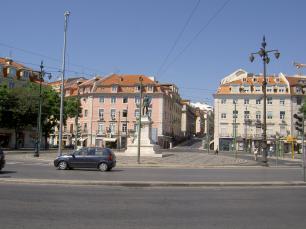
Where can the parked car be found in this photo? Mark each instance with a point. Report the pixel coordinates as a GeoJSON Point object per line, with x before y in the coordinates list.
{"type": "Point", "coordinates": [2, 159]}
{"type": "Point", "coordinates": [87, 157]}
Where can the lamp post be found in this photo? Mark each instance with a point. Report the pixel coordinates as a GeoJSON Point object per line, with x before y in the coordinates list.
{"type": "Point", "coordinates": [263, 53]}
{"type": "Point", "coordinates": [77, 117]}
{"type": "Point", "coordinates": [139, 121]}
{"type": "Point", "coordinates": [66, 14]}
{"type": "Point", "coordinates": [42, 74]}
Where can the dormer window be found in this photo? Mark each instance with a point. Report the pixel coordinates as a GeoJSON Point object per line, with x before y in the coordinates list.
{"type": "Point", "coordinates": [281, 89]}
{"type": "Point", "coordinates": [114, 88]}
{"type": "Point", "coordinates": [11, 72]}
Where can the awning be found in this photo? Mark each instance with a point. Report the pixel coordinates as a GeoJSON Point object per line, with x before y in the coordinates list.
{"type": "Point", "coordinates": [110, 139]}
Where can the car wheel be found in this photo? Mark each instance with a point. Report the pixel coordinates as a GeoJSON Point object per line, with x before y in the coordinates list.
{"type": "Point", "coordinates": [62, 165]}
{"type": "Point", "coordinates": [103, 167]}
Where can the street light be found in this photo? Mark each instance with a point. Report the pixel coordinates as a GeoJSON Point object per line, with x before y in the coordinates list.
{"type": "Point", "coordinates": [66, 14]}
{"type": "Point", "coordinates": [263, 53]}
{"type": "Point", "coordinates": [41, 76]}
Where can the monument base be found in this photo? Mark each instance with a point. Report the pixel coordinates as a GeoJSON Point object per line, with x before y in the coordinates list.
{"type": "Point", "coordinates": [147, 148]}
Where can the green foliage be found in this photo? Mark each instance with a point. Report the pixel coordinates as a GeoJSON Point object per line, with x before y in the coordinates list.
{"type": "Point", "coordinates": [303, 109]}
{"type": "Point", "coordinates": [19, 108]}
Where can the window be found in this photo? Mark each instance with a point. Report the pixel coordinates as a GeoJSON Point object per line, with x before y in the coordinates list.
{"type": "Point", "coordinates": [124, 113]}
{"type": "Point", "coordinates": [281, 89]}
{"type": "Point", "coordinates": [137, 99]}
{"type": "Point", "coordinates": [258, 115]}
{"type": "Point", "coordinates": [101, 99]}
{"type": "Point", "coordinates": [246, 101]}
{"type": "Point", "coordinates": [150, 88]}
{"type": "Point", "coordinates": [101, 128]}
{"type": "Point", "coordinates": [150, 112]}
{"type": "Point", "coordinates": [269, 100]}
{"type": "Point", "coordinates": [124, 127]}
{"type": "Point", "coordinates": [283, 130]}
{"type": "Point", "coordinates": [223, 101]}
{"type": "Point", "coordinates": [113, 114]}
{"type": "Point", "coordinates": [223, 115]}
{"type": "Point", "coordinates": [258, 101]}
{"type": "Point", "coordinates": [298, 90]}
{"type": "Point", "coordinates": [113, 100]}
{"type": "Point", "coordinates": [125, 100]}
{"type": "Point", "coordinates": [112, 127]}
{"type": "Point", "coordinates": [137, 88]}
{"type": "Point", "coordinates": [85, 113]}
{"type": "Point", "coordinates": [269, 114]}
{"type": "Point", "coordinates": [246, 114]}
{"type": "Point", "coordinates": [282, 102]}
{"type": "Point", "coordinates": [269, 89]}
{"type": "Point", "coordinates": [101, 114]}
{"type": "Point", "coordinates": [114, 88]}
{"type": "Point", "coordinates": [282, 115]}
{"type": "Point", "coordinates": [258, 89]}
{"type": "Point", "coordinates": [235, 114]}
{"type": "Point", "coordinates": [85, 127]}
{"type": "Point", "coordinates": [135, 127]}
{"type": "Point", "coordinates": [11, 72]}
{"type": "Point", "coordinates": [298, 100]}
{"type": "Point", "coordinates": [137, 113]}
{"type": "Point", "coordinates": [235, 89]}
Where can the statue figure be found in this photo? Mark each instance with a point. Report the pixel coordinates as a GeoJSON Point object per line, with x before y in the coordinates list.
{"type": "Point", "coordinates": [146, 105]}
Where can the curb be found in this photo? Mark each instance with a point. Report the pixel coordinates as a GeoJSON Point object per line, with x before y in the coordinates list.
{"type": "Point", "coordinates": [153, 183]}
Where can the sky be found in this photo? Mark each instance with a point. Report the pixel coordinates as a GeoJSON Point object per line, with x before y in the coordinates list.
{"type": "Point", "coordinates": [191, 43]}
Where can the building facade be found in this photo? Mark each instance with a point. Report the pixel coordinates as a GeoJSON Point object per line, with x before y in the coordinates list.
{"type": "Point", "coordinates": [110, 110]}
{"type": "Point", "coordinates": [238, 107]}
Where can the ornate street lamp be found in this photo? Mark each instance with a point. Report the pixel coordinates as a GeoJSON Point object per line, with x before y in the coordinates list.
{"type": "Point", "coordinates": [263, 53]}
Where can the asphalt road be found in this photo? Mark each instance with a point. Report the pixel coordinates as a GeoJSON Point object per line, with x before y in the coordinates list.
{"type": "Point", "coordinates": [46, 171]}
{"type": "Point", "coordinates": [79, 207]}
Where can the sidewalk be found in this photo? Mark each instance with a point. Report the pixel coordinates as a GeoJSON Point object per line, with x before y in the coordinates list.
{"type": "Point", "coordinates": [170, 159]}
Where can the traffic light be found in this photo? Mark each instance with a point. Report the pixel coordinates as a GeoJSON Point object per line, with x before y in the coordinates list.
{"type": "Point", "coordinates": [299, 124]}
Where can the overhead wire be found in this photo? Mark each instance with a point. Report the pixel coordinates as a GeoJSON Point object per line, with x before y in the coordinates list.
{"type": "Point", "coordinates": [196, 35]}
{"type": "Point", "coordinates": [179, 36]}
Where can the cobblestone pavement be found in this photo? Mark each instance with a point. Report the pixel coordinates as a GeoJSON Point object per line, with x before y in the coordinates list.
{"type": "Point", "coordinates": [169, 159]}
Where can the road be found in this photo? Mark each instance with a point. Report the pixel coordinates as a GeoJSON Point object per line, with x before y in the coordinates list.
{"type": "Point", "coordinates": [79, 207]}
{"type": "Point", "coordinates": [46, 171]}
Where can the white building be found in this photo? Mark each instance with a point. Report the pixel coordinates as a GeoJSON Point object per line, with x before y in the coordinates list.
{"type": "Point", "coordinates": [238, 107]}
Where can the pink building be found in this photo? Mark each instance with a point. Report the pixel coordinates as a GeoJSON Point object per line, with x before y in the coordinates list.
{"type": "Point", "coordinates": [110, 107]}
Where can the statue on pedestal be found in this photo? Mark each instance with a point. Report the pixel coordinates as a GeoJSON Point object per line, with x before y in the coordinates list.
{"type": "Point", "coordinates": [146, 105]}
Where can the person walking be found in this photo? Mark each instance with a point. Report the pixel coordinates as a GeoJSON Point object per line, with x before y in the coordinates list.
{"type": "Point", "coordinates": [255, 154]}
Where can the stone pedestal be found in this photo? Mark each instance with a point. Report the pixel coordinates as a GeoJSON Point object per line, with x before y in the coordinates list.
{"type": "Point", "coordinates": [147, 148]}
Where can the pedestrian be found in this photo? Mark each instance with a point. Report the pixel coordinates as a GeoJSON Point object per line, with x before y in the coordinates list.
{"type": "Point", "coordinates": [255, 154]}
{"type": "Point", "coordinates": [216, 152]}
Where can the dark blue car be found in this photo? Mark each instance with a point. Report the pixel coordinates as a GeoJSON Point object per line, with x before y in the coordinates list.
{"type": "Point", "coordinates": [87, 157]}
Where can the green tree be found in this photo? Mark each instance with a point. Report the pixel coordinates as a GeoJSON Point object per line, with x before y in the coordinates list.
{"type": "Point", "coordinates": [303, 109]}
{"type": "Point", "coordinates": [19, 109]}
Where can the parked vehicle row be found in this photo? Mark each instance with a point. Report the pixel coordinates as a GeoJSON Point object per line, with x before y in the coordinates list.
{"type": "Point", "coordinates": [2, 159]}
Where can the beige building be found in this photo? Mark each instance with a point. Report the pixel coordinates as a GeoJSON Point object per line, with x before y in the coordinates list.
{"type": "Point", "coordinates": [188, 124]}
{"type": "Point", "coordinates": [238, 107]}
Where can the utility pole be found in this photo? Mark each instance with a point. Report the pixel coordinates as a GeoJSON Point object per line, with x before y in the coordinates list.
{"type": "Point", "coordinates": [38, 140]}
{"type": "Point", "coordinates": [139, 122]}
{"type": "Point", "coordinates": [66, 14]}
